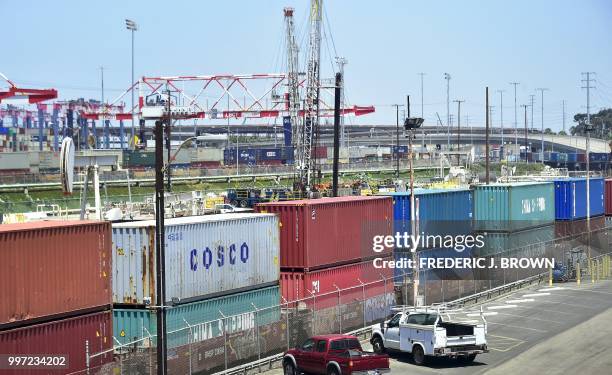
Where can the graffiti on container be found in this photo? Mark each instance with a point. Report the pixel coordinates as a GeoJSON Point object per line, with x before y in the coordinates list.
{"type": "Point", "coordinates": [532, 205]}
{"type": "Point", "coordinates": [221, 256]}
{"type": "Point", "coordinates": [379, 307]}
{"type": "Point", "coordinates": [209, 330]}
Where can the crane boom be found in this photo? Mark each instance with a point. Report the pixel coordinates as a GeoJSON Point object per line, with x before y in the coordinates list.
{"type": "Point", "coordinates": [311, 118]}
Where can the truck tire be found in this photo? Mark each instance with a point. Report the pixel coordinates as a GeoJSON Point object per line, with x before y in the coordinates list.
{"type": "Point", "coordinates": [289, 368]}
{"type": "Point", "coordinates": [418, 356]}
{"type": "Point", "coordinates": [377, 345]}
{"type": "Point", "coordinates": [244, 203]}
{"type": "Point", "coordinates": [467, 358]}
{"type": "Point", "coordinates": [332, 371]}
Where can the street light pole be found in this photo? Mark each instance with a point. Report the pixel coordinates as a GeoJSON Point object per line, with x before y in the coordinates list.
{"type": "Point", "coordinates": [132, 26]}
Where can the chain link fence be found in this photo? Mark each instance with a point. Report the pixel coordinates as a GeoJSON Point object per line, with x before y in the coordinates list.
{"type": "Point", "coordinates": [231, 341]}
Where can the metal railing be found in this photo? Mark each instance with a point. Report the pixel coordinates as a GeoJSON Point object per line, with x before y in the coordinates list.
{"type": "Point", "coordinates": [255, 339]}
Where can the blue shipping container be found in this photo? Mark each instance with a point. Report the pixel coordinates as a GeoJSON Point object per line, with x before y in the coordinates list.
{"type": "Point", "coordinates": [133, 324]}
{"type": "Point", "coordinates": [599, 156]}
{"type": "Point", "coordinates": [572, 158]}
{"type": "Point", "coordinates": [570, 198]}
{"type": "Point", "coordinates": [245, 156]}
{"type": "Point", "coordinates": [439, 212]}
{"type": "Point", "coordinates": [554, 156]}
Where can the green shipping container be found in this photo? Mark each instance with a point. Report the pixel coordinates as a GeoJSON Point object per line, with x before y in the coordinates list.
{"type": "Point", "coordinates": [130, 325]}
{"type": "Point", "coordinates": [509, 207]}
{"type": "Point", "coordinates": [508, 244]}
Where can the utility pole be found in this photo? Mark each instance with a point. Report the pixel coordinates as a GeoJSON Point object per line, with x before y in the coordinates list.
{"type": "Point", "coordinates": [422, 115]}
{"type": "Point", "coordinates": [337, 100]}
{"type": "Point", "coordinates": [342, 61]}
{"type": "Point", "coordinates": [563, 103]}
{"type": "Point", "coordinates": [487, 137]}
{"type": "Point", "coordinates": [542, 113]}
{"type": "Point", "coordinates": [447, 77]}
{"type": "Point", "coordinates": [531, 103]}
{"type": "Point", "coordinates": [458, 128]}
{"type": "Point", "coordinates": [515, 119]}
{"type": "Point", "coordinates": [502, 156]}
{"type": "Point", "coordinates": [525, 107]}
{"type": "Point", "coordinates": [467, 123]}
{"type": "Point", "coordinates": [588, 129]}
{"type": "Point", "coordinates": [397, 138]}
{"type": "Point", "coordinates": [160, 236]}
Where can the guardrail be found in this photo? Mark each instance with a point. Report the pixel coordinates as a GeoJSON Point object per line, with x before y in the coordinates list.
{"type": "Point", "coordinates": [363, 333]}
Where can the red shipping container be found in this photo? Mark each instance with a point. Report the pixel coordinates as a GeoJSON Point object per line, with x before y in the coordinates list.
{"type": "Point", "coordinates": [53, 268]}
{"type": "Point", "coordinates": [319, 152]}
{"type": "Point", "coordinates": [62, 338]}
{"type": "Point", "coordinates": [567, 229]}
{"type": "Point", "coordinates": [318, 233]}
{"type": "Point", "coordinates": [608, 198]}
{"type": "Point", "coordinates": [581, 158]}
{"type": "Point", "coordinates": [324, 284]}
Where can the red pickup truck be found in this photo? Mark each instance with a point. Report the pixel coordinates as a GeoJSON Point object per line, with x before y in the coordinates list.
{"type": "Point", "coordinates": [334, 355]}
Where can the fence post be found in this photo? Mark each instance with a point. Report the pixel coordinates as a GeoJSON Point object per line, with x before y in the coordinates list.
{"type": "Point", "coordinates": [257, 333]}
{"type": "Point", "coordinates": [314, 309]}
{"type": "Point", "coordinates": [385, 290]}
{"type": "Point", "coordinates": [339, 309]}
{"type": "Point", "coordinates": [87, 356]}
{"type": "Point", "coordinates": [287, 315]}
{"type": "Point", "coordinates": [224, 338]}
{"type": "Point", "coordinates": [363, 301]}
{"type": "Point", "coordinates": [189, 340]}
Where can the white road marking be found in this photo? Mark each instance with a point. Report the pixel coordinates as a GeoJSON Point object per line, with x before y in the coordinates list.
{"type": "Point", "coordinates": [553, 288]}
{"type": "Point", "coordinates": [501, 307]}
{"type": "Point", "coordinates": [520, 300]}
{"type": "Point", "coordinates": [536, 295]}
{"type": "Point", "coordinates": [490, 313]}
{"type": "Point", "coordinates": [519, 327]}
{"type": "Point", "coordinates": [532, 318]}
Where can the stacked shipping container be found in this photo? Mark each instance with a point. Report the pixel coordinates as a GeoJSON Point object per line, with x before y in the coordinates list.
{"type": "Point", "coordinates": [216, 266]}
{"type": "Point", "coordinates": [56, 290]}
{"type": "Point", "coordinates": [327, 246]}
{"type": "Point", "coordinates": [570, 198]}
{"type": "Point", "coordinates": [508, 207]}
{"type": "Point", "coordinates": [608, 198]}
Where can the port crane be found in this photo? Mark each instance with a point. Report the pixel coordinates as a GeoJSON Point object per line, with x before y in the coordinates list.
{"type": "Point", "coordinates": [310, 126]}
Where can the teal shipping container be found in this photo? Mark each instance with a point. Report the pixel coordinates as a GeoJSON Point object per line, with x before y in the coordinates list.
{"type": "Point", "coordinates": [509, 243]}
{"type": "Point", "coordinates": [131, 325]}
{"type": "Point", "coordinates": [508, 207]}
{"type": "Point", "coordinates": [440, 212]}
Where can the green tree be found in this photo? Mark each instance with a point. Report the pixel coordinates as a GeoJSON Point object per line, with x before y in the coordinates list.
{"type": "Point", "coordinates": [601, 122]}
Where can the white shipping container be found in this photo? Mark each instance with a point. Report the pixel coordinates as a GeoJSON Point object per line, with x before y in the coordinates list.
{"type": "Point", "coordinates": [208, 154]}
{"type": "Point", "coordinates": [14, 160]}
{"type": "Point", "coordinates": [205, 256]}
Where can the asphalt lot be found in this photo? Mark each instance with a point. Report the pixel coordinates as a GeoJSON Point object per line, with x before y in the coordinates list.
{"type": "Point", "coordinates": [538, 330]}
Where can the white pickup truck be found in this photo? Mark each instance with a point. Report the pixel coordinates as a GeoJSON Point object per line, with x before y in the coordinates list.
{"type": "Point", "coordinates": [427, 332]}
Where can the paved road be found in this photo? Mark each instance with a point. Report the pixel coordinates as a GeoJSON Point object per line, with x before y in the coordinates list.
{"type": "Point", "coordinates": [540, 330]}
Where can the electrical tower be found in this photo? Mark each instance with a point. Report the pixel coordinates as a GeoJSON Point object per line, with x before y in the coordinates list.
{"type": "Point", "coordinates": [305, 162]}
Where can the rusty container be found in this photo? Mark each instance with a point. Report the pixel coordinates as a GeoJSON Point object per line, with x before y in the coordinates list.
{"type": "Point", "coordinates": [53, 269]}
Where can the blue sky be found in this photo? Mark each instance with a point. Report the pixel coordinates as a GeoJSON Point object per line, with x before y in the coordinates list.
{"type": "Point", "coordinates": [387, 43]}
